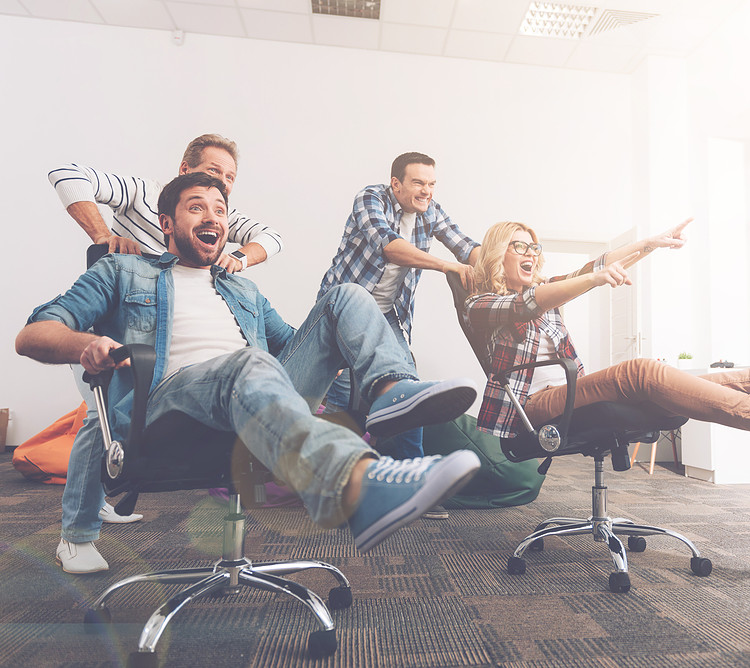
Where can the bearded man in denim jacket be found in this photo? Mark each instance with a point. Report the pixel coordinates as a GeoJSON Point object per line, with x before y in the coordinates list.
{"type": "Point", "coordinates": [228, 359]}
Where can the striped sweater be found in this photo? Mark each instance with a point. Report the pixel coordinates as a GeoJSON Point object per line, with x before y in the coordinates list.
{"type": "Point", "coordinates": [133, 202]}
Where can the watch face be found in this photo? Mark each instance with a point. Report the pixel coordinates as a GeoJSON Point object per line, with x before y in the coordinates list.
{"type": "Point", "coordinates": [238, 254]}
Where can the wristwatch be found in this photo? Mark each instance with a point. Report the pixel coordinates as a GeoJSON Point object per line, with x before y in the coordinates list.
{"type": "Point", "coordinates": [239, 255]}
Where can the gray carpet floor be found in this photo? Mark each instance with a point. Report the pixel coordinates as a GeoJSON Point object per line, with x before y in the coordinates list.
{"type": "Point", "coordinates": [437, 594]}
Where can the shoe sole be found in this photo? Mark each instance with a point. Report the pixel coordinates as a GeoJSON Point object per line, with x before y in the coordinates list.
{"type": "Point", "coordinates": [430, 406]}
{"type": "Point", "coordinates": [448, 476]}
{"type": "Point", "coordinates": [98, 570]}
{"type": "Point", "coordinates": [124, 520]}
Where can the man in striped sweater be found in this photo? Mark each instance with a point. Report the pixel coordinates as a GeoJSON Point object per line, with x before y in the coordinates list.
{"type": "Point", "coordinates": [135, 224]}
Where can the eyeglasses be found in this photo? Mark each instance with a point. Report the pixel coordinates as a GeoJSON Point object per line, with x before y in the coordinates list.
{"type": "Point", "coordinates": [521, 248]}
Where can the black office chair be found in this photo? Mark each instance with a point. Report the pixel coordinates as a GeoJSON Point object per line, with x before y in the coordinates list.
{"type": "Point", "coordinates": [177, 452]}
{"type": "Point", "coordinates": [602, 428]}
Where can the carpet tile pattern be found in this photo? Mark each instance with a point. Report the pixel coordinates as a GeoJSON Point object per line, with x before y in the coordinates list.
{"type": "Point", "coordinates": [436, 595]}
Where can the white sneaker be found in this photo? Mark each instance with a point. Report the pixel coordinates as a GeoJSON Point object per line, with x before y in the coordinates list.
{"type": "Point", "coordinates": [80, 558]}
{"type": "Point", "coordinates": [108, 514]}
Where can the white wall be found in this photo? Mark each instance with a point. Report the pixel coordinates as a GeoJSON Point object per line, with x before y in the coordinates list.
{"type": "Point", "coordinates": [314, 125]}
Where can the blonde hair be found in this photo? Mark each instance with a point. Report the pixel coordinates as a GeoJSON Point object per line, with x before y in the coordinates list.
{"type": "Point", "coordinates": [489, 272]}
{"type": "Point", "coordinates": [194, 151]}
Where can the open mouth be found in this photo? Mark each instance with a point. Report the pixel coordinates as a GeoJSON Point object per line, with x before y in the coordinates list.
{"type": "Point", "coordinates": [208, 237]}
{"type": "Point", "coordinates": [527, 265]}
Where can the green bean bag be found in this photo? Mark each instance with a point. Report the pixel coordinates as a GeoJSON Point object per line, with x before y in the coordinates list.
{"type": "Point", "coordinates": [499, 483]}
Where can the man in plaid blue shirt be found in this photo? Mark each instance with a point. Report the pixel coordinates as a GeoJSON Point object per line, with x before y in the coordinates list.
{"type": "Point", "coordinates": [384, 248]}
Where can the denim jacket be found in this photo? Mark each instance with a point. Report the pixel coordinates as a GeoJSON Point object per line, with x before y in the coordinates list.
{"type": "Point", "coordinates": [131, 300]}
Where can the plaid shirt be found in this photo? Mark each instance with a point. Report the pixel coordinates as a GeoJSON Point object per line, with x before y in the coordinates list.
{"type": "Point", "coordinates": [512, 325]}
{"type": "Point", "coordinates": [374, 222]}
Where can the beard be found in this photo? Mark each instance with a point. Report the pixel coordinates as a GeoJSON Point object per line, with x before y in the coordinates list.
{"type": "Point", "coordinates": [199, 257]}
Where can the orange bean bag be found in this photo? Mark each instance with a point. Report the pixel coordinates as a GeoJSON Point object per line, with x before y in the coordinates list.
{"type": "Point", "coordinates": [44, 457]}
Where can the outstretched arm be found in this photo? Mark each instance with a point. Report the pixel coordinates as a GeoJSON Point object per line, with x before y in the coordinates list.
{"type": "Point", "coordinates": [489, 311]}
{"type": "Point", "coordinates": [554, 294]}
{"type": "Point", "coordinates": [53, 342]}
{"type": "Point", "coordinates": [404, 254]}
{"type": "Point", "coordinates": [672, 238]}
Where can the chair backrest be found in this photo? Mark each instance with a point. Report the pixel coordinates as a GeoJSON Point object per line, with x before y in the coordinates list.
{"type": "Point", "coordinates": [460, 295]}
{"type": "Point", "coordinates": [96, 252]}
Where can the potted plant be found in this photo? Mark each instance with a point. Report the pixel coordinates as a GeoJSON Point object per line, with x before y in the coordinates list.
{"type": "Point", "coordinates": [684, 361]}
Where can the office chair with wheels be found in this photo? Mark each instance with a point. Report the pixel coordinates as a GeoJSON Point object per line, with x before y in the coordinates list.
{"type": "Point", "coordinates": [178, 452]}
{"type": "Point", "coordinates": [596, 430]}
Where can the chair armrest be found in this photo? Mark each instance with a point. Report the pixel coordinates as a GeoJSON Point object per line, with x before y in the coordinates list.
{"type": "Point", "coordinates": [142, 362]}
{"type": "Point", "coordinates": [571, 374]}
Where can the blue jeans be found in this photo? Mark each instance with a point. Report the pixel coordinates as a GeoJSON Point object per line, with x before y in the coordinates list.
{"type": "Point", "coordinates": [83, 496]}
{"type": "Point", "coordinates": [406, 445]}
{"type": "Point", "coordinates": [269, 401]}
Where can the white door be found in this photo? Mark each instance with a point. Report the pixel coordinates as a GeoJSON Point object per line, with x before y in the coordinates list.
{"type": "Point", "coordinates": [587, 317]}
{"type": "Point", "coordinates": [626, 339]}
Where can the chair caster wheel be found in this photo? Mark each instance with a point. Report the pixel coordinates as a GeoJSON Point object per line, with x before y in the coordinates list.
{"type": "Point", "coordinates": [321, 643]}
{"type": "Point", "coordinates": [94, 618]}
{"type": "Point", "coordinates": [537, 545]}
{"type": "Point", "coordinates": [516, 566]}
{"type": "Point", "coordinates": [636, 543]}
{"type": "Point", "coordinates": [701, 566]}
{"type": "Point", "coordinates": [340, 597]}
{"type": "Point", "coordinates": [143, 660]}
{"type": "Point", "coordinates": [619, 582]}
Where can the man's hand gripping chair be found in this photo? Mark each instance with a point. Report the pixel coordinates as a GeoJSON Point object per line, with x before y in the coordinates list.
{"type": "Point", "coordinates": [596, 430]}
{"type": "Point", "coordinates": [177, 452]}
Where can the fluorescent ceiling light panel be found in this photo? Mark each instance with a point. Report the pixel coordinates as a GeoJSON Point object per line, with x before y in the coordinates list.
{"type": "Point", "coordinates": [551, 19]}
{"type": "Point", "coordinates": [360, 9]}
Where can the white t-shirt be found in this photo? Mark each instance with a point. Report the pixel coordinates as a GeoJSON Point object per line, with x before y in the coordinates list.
{"type": "Point", "coordinates": [203, 326]}
{"type": "Point", "coordinates": [552, 374]}
{"type": "Point", "coordinates": [386, 290]}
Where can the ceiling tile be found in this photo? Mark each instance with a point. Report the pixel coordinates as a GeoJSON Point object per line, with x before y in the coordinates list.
{"type": "Point", "coordinates": [503, 16]}
{"type": "Point", "coordinates": [604, 57]}
{"type": "Point", "coordinates": [412, 39]}
{"type": "Point", "coordinates": [435, 13]}
{"type": "Point", "coordinates": [680, 34]}
{"type": "Point", "coordinates": [540, 51]}
{"type": "Point", "coordinates": [298, 6]}
{"type": "Point", "coordinates": [135, 13]}
{"type": "Point", "coordinates": [207, 19]}
{"type": "Point", "coordinates": [478, 45]}
{"type": "Point", "coordinates": [12, 7]}
{"type": "Point", "coordinates": [280, 26]}
{"type": "Point", "coordinates": [345, 31]}
{"type": "Point", "coordinates": [67, 10]}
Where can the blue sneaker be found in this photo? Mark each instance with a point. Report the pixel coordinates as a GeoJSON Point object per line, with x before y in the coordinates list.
{"type": "Point", "coordinates": [413, 403]}
{"type": "Point", "coordinates": [395, 492]}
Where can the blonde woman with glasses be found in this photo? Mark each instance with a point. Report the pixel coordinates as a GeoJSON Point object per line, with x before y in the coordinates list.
{"type": "Point", "coordinates": [516, 311]}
